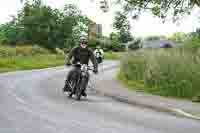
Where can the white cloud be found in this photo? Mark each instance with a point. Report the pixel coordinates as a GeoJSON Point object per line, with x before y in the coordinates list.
{"type": "Point", "coordinates": [148, 25]}
{"type": "Point", "coordinates": [7, 8]}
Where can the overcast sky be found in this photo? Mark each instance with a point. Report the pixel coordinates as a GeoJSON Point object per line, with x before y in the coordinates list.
{"type": "Point", "coordinates": [146, 25]}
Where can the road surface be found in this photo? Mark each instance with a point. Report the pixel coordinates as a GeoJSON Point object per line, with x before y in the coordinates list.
{"type": "Point", "coordinates": [32, 102]}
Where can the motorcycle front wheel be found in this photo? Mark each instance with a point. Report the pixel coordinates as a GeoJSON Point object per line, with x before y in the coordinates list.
{"type": "Point", "coordinates": [81, 88]}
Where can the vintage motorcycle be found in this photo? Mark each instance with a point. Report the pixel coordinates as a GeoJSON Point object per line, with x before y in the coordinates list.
{"type": "Point", "coordinates": [78, 80]}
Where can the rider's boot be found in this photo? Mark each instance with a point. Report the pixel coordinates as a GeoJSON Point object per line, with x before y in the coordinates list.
{"type": "Point", "coordinates": [84, 93]}
{"type": "Point", "coordinates": [85, 87]}
{"type": "Point", "coordinates": [66, 87]}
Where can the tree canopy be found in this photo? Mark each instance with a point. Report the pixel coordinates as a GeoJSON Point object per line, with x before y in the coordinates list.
{"type": "Point", "coordinates": [164, 9]}
{"type": "Point", "coordinates": [37, 23]}
{"type": "Point", "coordinates": [161, 8]}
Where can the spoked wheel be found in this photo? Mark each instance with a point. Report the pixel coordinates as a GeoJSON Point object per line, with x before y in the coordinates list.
{"type": "Point", "coordinates": [80, 89]}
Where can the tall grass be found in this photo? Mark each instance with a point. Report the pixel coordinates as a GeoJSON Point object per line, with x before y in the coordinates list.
{"type": "Point", "coordinates": [168, 72]}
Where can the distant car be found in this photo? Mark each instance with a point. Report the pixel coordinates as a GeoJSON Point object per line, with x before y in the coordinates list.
{"type": "Point", "coordinates": [160, 43]}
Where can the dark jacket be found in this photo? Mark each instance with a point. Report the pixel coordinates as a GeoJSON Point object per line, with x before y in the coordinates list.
{"type": "Point", "coordinates": [82, 55]}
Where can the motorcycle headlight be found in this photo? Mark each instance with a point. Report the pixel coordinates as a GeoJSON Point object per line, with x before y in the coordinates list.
{"type": "Point", "coordinates": [84, 73]}
{"type": "Point", "coordinates": [84, 68]}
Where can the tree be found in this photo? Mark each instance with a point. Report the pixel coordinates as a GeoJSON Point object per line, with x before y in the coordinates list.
{"type": "Point", "coordinates": [198, 32]}
{"type": "Point", "coordinates": [37, 23]}
{"type": "Point", "coordinates": [179, 37]}
{"type": "Point", "coordinates": [123, 26]}
{"type": "Point", "coordinates": [116, 40]}
{"type": "Point", "coordinates": [135, 44]}
{"type": "Point", "coordinates": [175, 9]}
{"type": "Point", "coordinates": [125, 36]}
{"type": "Point", "coordinates": [8, 33]}
{"type": "Point", "coordinates": [77, 26]}
{"type": "Point", "coordinates": [3, 37]}
{"type": "Point", "coordinates": [114, 36]}
{"type": "Point", "coordinates": [160, 8]}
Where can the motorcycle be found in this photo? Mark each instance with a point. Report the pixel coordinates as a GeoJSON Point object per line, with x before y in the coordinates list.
{"type": "Point", "coordinates": [78, 82]}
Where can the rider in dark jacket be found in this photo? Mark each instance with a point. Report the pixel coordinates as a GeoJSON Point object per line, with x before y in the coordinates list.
{"type": "Point", "coordinates": [80, 54]}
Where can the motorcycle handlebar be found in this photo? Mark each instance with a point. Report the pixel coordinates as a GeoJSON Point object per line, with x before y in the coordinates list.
{"type": "Point", "coordinates": [88, 67]}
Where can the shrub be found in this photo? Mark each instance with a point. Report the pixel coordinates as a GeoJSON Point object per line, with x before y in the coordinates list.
{"type": "Point", "coordinates": [60, 51]}
{"type": "Point", "coordinates": [135, 45]}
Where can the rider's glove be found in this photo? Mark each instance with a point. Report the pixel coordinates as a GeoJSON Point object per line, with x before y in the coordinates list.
{"type": "Point", "coordinates": [95, 71]}
{"type": "Point", "coordinates": [68, 64]}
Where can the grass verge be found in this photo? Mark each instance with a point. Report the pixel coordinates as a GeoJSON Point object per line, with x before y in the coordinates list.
{"type": "Point", "coordinates": [30, 62]}
{"type": "Point", "coordinates": [113, 55]}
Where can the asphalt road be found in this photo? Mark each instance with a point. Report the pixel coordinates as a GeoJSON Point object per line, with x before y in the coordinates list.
{"type": "Point", "coordinates": [32, 102]}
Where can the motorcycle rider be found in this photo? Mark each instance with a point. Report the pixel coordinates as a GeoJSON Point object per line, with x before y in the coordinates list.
{"type": "Point", "coordinates": [99, 54]}
{"type": "Point", "coordinates": [80, 54]}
